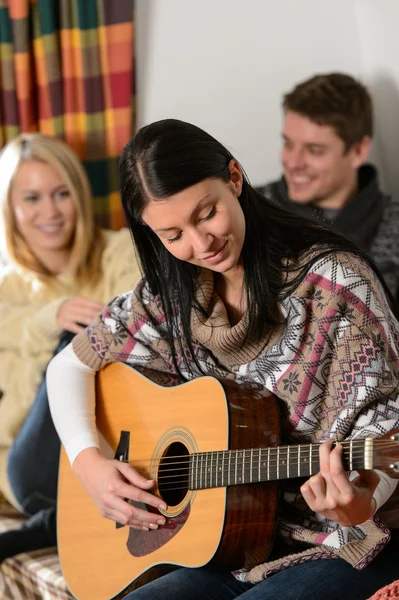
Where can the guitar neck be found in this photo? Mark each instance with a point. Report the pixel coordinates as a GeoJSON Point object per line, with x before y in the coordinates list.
{"type": "Point", "coordinates": [235, 467]}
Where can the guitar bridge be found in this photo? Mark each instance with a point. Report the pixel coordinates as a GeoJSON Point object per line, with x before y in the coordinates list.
{"type": "Point", "coordinates": [122, 454]}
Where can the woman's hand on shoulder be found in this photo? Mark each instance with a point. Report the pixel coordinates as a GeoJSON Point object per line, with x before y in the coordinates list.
{"type": "Point", "coordinates": [111, 483]}
{"type": "Point", "coordinates": [331, 493]}
{"type": "Point", "coordinates": [76, 313]}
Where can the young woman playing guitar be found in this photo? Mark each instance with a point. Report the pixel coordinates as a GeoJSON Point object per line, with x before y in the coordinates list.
{"type": "Point", "coordinates": [236, 288]}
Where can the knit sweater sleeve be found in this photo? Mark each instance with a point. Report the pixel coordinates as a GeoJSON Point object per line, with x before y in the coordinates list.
{"type": "Point", "coordinates": [336, 369]}
{"type": "Point", "coordinates": [340, 372]}
{"type": "Point", "coordinates": [339, 366]}
{"type": "Point", "coordinates": [130, 329]}
{"type": "Point", "coordinates": [27, 327]}
{"type": "Point", "coordinates": [119, 262]}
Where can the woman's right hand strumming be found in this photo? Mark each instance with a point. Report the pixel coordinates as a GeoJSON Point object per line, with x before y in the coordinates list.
{"type": "Point", "coordinates": [111, 483]}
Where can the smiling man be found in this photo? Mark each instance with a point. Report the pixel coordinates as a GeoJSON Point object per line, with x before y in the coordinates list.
{"type": "Point", "coordinates": [327, 132]}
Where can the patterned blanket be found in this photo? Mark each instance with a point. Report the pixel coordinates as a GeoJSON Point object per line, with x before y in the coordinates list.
{"type": "Point", "coordinates": [30, 576]}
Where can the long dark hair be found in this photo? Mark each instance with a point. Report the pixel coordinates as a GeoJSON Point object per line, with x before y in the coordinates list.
{"type": "Point", "coordinates": [169, 156]}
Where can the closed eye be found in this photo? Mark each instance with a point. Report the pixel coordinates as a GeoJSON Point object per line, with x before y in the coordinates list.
{"type": "Point", "coordinates": [174, 239]}
{"type": "Point", "coordinates": [209, 215]}
{"type": "Point", "coordinates": [206, 218]}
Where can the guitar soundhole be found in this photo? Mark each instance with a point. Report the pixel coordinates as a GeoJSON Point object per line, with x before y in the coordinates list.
{"type": "Point", "coordinates": [173, 474]}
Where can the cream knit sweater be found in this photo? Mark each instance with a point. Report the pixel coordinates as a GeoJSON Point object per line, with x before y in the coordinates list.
{"type": "Point", "coordinates": [29, 331]}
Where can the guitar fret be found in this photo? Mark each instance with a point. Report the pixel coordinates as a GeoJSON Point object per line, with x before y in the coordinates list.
{"type": "Point", "coordinates": [243, 464]}
{"type": "Point", "coordinates": [229, 469]}
{"type": "Point", "coordinates": [288, 461]}
{"type": "Point", "coordinates": [278, 462]}
{"type": "Point", "coordinates": [299, 461]}
{"type": "Point", "coordinates": [215, 470]}
{"type": "Point", "coordinates": [268, 464]}
{"type": "Point", "coordinates": [259, 457]}
{"type": "Point", "coordinates": [350, 456]}
{"type": "Point", "coordinates": [310, 460]}
{"type": "Point", "coordinates": [200, 471]}
{"type": "Point", "coordinates": [235, 470]}
{"type": "Point", "coordinates": [368, 453]}
{"type": "Point", "coordinates": [250, 471]}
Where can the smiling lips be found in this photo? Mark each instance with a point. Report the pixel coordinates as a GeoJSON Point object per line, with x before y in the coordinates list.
{"type": "Point", "coordinates": [300, 179]}
{"type": "Point", "coordinates": [216, 256]}
{"type": "Point", "coordinates": [50, 228]}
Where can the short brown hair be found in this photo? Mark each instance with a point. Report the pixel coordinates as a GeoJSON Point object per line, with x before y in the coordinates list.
{"type": "Point", "coordinates": [337, 100]}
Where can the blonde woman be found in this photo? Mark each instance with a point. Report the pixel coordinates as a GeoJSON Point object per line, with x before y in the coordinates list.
{"type": "Point", "coordinates": [61, 270]}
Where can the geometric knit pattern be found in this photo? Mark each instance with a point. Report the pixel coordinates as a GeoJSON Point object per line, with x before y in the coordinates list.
{"type": "Point", "coordinates": [334, 363]}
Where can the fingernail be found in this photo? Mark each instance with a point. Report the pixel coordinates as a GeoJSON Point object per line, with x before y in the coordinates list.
{"type": "Point", "coordinates": [153, 526]}
{"type": "Point", "coordinates": [161, 521]}
{"type": "Point", "coordinates": [144, 528]}
{"type": "Point", "coordinates": [162, 506]}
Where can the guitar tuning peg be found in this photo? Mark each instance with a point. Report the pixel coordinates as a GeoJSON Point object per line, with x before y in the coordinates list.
{"type": "Point", "coordinates": [394, 467]}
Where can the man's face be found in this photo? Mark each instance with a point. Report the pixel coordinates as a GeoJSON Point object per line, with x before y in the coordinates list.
{"type": "Point", "coordinates": [316, 165]}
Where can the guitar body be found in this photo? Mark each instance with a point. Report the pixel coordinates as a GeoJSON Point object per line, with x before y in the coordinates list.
{"type": "Point", "coordinates": [229, 526]}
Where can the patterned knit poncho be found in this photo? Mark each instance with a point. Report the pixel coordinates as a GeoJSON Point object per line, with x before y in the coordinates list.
{"type": "Point", "coordinates": [334, 363]}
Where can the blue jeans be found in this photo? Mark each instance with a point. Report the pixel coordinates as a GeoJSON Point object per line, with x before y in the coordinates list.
{"type": "Point", "coordinates": [330, 579]}
{"type": "Point", "coordinates": [33, 458]}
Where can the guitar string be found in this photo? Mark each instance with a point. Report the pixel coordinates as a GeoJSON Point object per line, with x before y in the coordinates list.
{"type": "Point", "coordinates": [204, 475]}
{"type": "Point", "coordinates": [250, 461]}
{"type": "Point", "coordinates": [186, 484]}
{"type": "Point", "coordinates": [272, 462]}
{"type": "Point", "coordinates": [245, 467]}
{"type": "Point", "coordinates": [263, 452]}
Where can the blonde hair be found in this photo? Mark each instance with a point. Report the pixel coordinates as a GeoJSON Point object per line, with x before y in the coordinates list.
{"type": "Point", "coordinates": [87, 243]}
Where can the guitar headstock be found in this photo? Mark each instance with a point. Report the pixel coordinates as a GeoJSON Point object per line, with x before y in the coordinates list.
{"type": "Point", "coordinates": [386, 453]}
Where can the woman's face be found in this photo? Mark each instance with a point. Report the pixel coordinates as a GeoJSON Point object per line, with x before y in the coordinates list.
{"type": "Point", "coordinates": [43, 208]}
{"type": "Point", "coordinates": [203, 224]}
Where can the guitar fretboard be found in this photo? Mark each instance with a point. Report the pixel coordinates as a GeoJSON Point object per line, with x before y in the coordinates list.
{"type": "Point", "coordinates": [235, 467]}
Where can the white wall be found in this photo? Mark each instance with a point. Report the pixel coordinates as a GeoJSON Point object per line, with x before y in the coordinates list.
{"type": "Point", "coordinates": [224, 65]}
{"type": "Point", "coordinates": [379, 45]}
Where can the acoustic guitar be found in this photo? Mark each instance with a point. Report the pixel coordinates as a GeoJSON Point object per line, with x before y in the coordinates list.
{"type": "Point", "coordinates": [213, 451]}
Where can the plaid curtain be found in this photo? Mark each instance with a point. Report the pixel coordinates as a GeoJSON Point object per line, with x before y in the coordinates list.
{"type": "Point", "coordinates": [67, 69]}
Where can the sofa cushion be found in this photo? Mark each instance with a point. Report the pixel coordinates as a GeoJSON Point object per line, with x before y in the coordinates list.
{"type": "Point", "coordinates": [32, 575]}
